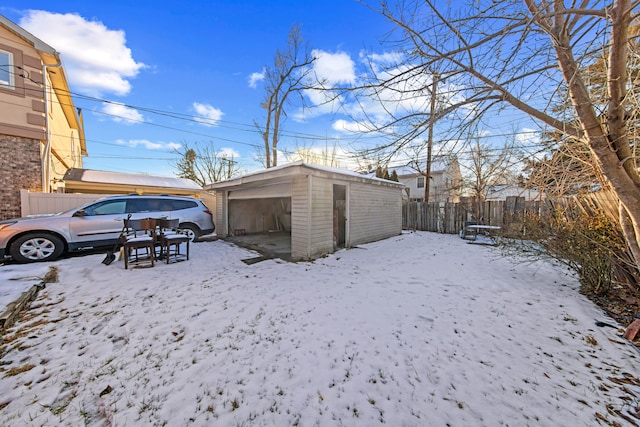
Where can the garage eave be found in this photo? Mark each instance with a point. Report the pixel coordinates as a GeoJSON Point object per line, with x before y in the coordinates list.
{"type": "Point", "coordinates": [287, 172]}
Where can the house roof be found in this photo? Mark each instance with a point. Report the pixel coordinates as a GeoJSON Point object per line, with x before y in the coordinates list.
{"type": "Point", "coordinates": [24, 34]}
{"type": "Point", "coordinates": [287, 171]}
{"type": "Point", "coordinates": [87, 180]}
{"type": "Point", "coordinates": [438, 165]}
{"type": "Point", "coordinates": [51, 58]}
{"type": "Point", "coordinates": [501, 192]}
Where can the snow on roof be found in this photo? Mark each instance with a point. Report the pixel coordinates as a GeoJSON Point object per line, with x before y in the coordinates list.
{"type": "Point", "coordinates": [501, 192]}
{"type": "Point", "coordinates": [267, 173]}
{"type": "Point", "coordinates": [104, 177]}
{"type": "Point", "coordinates": [437, 165]}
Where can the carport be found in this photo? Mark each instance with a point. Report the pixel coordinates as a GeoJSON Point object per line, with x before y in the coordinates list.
{"type": "Point", "coordinates": [319, 209]}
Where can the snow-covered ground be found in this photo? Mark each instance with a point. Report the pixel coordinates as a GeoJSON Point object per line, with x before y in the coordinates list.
{"type": "Point", "coordinates": [417, 330]}
{"type": "Point", "coordinates": [14, 280]}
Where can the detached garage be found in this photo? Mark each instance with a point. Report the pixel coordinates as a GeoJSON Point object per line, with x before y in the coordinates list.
{"type": "Point", "coordinates": [320, 208]}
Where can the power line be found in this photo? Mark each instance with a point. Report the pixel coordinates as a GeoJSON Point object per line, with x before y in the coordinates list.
{"type": "Point", "coordinates": [284, 150]}
{"type": "Point", "coordinates": [244, 127]}
{"type": "Point", "coordinates": [190, 118]}
{"type": "Point", "coordinates": [337, 139]}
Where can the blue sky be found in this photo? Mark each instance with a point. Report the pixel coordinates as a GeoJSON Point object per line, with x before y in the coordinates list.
{"type": "Point", "coordinates": [187, 59]}
{"type": "Point", "coordinates": [151, 77]}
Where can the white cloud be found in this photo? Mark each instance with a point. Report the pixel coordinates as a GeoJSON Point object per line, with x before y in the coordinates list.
{"type": "Point", "coordinates": [349, 126]}
{"type": "Point", "coordinates": [378, 62]}
{"type": "Point", "coordinates": [376, 106]}
{"type": "Point", "coordinates": [122, 114]}
{"type": "Point", "coordinates": [149, 145]}
{"type": "Point", "coordinates": [228, 153]}
{"type": "Point", "coordinates": [333, 68]}
{"type": "Point", "coordinates": [254, 78]}
{"type": "Point", "coordinates": [322, 102]}
{"type": "Point", "coordinates": [96, 58]}
{"type": "Point", "coordinates": [528, 136]}
{"type": "Point", "coordinates": [207, 115]}
{"type": "Point", "coordinates": [401, 97]}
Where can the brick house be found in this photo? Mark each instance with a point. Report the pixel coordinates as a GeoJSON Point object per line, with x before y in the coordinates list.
{"type": "Point", "coordinates": [41, 132]}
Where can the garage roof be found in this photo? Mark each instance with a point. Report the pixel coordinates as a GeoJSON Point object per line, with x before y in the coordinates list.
{"type": "Point", "coordinates": [87, 180]}
{"type": "Point", "coordinates": [285, 172]}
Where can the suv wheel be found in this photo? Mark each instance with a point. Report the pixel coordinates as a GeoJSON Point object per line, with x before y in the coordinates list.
{"type": "Point", "coordinates": [36, 247]}
{"type": "Point", "coordinates": [192, 231]}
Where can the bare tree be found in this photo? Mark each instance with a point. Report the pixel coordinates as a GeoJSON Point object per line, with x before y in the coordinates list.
{"type": "Point", "coordinates": [527, 55]}
{"type": "Point", "coordinates": [286, 77]}
{"type": "Point", "coordinates": [489, 166]}
{"type": "Point", "coordinates": [369, 164]}
{"type": "Point", "coordinates": [203, 164]}
{"type": "Point", "coordinates": [329, 155]}
{"type": "Point", "coordinates": [567, 168]}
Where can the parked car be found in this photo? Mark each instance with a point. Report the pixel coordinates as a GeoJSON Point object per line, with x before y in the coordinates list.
{"type": "Point", "coordinates": [94, 225]}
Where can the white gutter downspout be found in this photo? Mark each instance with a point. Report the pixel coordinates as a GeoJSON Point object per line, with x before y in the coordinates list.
{"type": "Point", "coordinates": [46, 156]}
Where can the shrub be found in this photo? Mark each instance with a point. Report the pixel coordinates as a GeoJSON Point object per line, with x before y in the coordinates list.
{"type": "Point", "coordinates": [590, 243]}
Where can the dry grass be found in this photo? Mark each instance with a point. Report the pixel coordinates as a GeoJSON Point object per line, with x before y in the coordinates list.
{"type": "Point", "coordinates": [51, 276]}
{"type": "Point", "coordinates": [19, 369]}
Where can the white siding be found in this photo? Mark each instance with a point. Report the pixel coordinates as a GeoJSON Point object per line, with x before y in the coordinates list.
{"type": "Point", "coordinates": [300, 213]}
{"type": "Point", "coordinates": [411, 182]}
{"type": "Point", "coordinates": [373, 207]}
{"type": "Point", "coordinates": [35, 203]}
{"type": "Point", "coordinates": [222, 227]}
{"type": "Point", "coordinates": [321, 216]}
{"type": "Point", "coordinates": [312, 217]}
{"type": "Point", "coordinates": [375, 213]}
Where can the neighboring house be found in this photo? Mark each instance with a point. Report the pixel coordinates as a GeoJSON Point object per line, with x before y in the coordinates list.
{"type": "Point", "coordinates": [41, 132]}
{"type": "Point", "coordinates": [501, 192]}
{"type": "Point", "coordinates": [446, 181]}
{"type": "Point", "coordinates": [321, 208]}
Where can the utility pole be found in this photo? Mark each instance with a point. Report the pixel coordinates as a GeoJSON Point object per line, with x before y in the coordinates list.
{"type": "Point", "coordinates": [432, 121]}
{"type": "Point", "coordinates": [230, 163]}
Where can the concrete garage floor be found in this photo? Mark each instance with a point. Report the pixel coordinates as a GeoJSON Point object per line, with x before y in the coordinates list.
{"type": "Point", "coordinates": [269, 245]}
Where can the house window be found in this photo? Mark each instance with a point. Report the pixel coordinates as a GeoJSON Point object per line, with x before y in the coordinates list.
{"type": "Point", "coordinates": [421, 182]}
{"type": "Point", "coordinates": [6, 69]}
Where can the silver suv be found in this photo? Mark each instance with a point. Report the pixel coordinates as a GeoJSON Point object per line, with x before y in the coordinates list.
{"type": "Point", "coordinates": [94, 225]}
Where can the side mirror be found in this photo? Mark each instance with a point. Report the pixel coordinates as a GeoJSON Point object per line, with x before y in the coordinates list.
{"type": "Point", "coordinates": [79, 212]}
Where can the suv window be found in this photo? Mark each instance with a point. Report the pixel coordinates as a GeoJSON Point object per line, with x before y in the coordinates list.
{"type": "Point", "coordinates": [158, 205]}
{"type": "Point", "coordinates": [146, 205]}
{"type": "Point", "coordinates": [177, 205]}
{"type": "Point", "coordinates": [107, 207]}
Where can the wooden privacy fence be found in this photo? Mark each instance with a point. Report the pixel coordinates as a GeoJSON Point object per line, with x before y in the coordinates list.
{"type": "Point", "coordinates": [450, 218]}
{"type": "Point", "coordinates": [442, 218]}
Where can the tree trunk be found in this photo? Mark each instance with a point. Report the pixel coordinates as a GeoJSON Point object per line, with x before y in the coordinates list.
{"type": "Point", "coordinates": [606, 151]}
